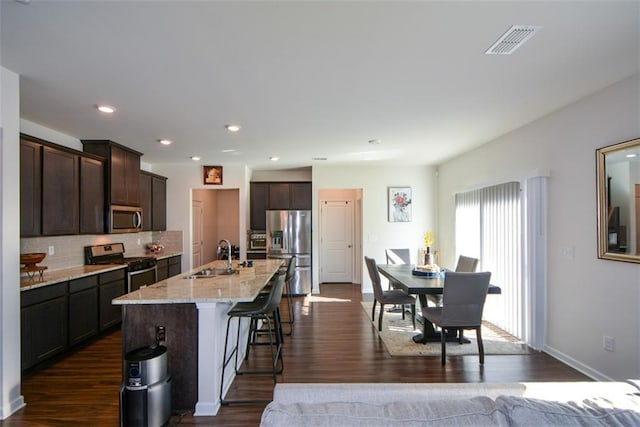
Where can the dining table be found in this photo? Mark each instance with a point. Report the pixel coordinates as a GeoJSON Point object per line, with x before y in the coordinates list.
{"type": "Point", "coordinates": [405, 277]}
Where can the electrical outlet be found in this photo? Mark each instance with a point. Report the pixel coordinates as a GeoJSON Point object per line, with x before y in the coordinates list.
{"type": "Point", "coordinates": [138, 242]}
{"type": "Point", "coordinates": [52, 250]}
{"type": "Point", "coordinates": [566, 252]}
{"type": "Point", "coordinates": [608, 343]}
{"type": "Point", "coordinates": [161, 334]}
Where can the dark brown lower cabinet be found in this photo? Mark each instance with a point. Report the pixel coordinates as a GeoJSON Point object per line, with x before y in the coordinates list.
{"type": "Point", "coordinates": [44, 328]}
{"type": "Point", "coordinates": [256, 255]}
{"type": "Point", "coordinates": [83, 309]}
{"type": "Point", "coordinates": [175, 265]}
{"type": "Point", "coordinates": [162, 269]}
{"type": "Point", "coordinates": [169, 267]}
{"type": "Point", "coordinates": [112, 285]}
{"type": "Point", "coordinates": [55, 318]}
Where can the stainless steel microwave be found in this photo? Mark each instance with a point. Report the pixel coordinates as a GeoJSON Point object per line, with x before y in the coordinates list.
{"type": "Point", "coordinates": [125, 219]}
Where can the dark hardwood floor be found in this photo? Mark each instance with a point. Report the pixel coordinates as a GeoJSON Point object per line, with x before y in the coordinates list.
{"type": "Point", "coordinates": [332, 341]}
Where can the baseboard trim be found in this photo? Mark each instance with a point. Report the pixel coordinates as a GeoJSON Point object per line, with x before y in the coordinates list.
{"type": "Point", "coordinates": [577, 365]}
{"type": "Point", "coordinates": [12, 408]}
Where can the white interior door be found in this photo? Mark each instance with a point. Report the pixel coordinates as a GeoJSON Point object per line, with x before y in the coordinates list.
{"type": "Point", "coordinates": [196, 233]}
{"type": "Point", "coordinates": [336, 241]}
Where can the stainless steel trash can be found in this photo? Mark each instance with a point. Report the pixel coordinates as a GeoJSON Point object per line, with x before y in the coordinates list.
{"type": "Point", "coordinates": [145, 394]}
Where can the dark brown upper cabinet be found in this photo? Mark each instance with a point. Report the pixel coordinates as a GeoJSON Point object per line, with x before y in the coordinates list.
{"type": "Point", "coordinates": [30, 188]}
{"type": "Point", "coordinates": [290, 195]}
{"type": "Point", "coordinates": [145, 200]}
{"type": "Point", "coordinates": [123, 171]}
{"type": "Point", "coordinates": [158, 203]}
{"type": "Point", "coordinates": [153, 201]}
{"type": "Point", "coordinates": [276, 195]}
{"type": "Point", "coordinates": [92, 203]}
{"type": "Point", "coordinates": [300, 195]}
{"type": "Point", "coordinates": [60, 192]}
{"type": "Point", "coordinates": [258, 200]}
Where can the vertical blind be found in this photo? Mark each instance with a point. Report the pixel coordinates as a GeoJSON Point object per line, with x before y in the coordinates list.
{"type": "Point", "coordinates": [489, 227]}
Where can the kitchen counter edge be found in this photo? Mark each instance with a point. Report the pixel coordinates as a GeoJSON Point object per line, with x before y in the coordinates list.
{"type": "Point", "coordinates": [166, 255]}
{"type": "Point", "coordinates": [64, 275]}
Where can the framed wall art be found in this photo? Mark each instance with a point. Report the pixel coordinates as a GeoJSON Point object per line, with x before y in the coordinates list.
{"type": "Point", "coordinates": [212, 175]}
{"type": "Point", "coordinates": [400, 204]}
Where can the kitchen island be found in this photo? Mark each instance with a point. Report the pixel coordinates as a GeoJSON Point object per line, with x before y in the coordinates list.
{"type": "Point", "coordinates": [193, 309]}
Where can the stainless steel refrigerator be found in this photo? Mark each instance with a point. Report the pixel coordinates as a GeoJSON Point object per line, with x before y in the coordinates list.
{"type": "Point", "coordinates": [288, 234]}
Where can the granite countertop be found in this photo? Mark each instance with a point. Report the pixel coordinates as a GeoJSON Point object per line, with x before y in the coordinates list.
{"type": "Point", "coordinates": [63, 275]}
{"type": "Point", "coordinates": [179, 289]}
{"type": "Point", "coordinates": [51, 277]}
{"type": "Point", "coordinates": [164, 255]}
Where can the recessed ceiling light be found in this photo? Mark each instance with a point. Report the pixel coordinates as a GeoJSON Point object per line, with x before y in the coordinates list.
{"type": "Point", "coordinates": [375, 141]}
{"type": "Point", "coordinates": [165, 141]}
{"type": "Point", "coordinates": [228, 150]}
{"type": "Point", "coordinates": [274, 158]}
{"type": "Point", "coordinates": [232, 128]}
{"type": "Point", "coordinates": [632, 155]}
{"type": "Point", "coordinates": [106, 109]}
{"type": "Point", "coordinates": [195, 158]}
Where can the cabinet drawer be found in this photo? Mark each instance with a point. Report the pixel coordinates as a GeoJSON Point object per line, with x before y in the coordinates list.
{"type": "Point", "coordinates": [45, 293]}
{"type": "Point", "coordinates": [83, 283]}
{"type": "Point", "coordinates": [111, 276]}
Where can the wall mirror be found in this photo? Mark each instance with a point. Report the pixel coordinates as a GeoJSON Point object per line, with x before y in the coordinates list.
{"type": "Point", "coordinates": [618, 172]}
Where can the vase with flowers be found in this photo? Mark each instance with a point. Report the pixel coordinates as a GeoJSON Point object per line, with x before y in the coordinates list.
{"type": "Point", "coordinates": [428, 242]}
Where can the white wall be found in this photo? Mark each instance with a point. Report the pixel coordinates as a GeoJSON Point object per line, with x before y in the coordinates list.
{"type": "Point", "coordinates": [587, 297]}
{"type": "Point", "coordinates": [378, 233]}
{"type": "Point", "coordinates": [181, 180]}
{"type": "Point", "coordinates": [10, 398]}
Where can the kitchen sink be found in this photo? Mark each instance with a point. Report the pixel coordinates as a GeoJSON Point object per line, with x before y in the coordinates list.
{"type": "Point", "coordinates": [210, 272]}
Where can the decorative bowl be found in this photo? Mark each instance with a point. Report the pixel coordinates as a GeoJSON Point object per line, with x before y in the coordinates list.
{"type": "Point", "coordinates": [31, 259]}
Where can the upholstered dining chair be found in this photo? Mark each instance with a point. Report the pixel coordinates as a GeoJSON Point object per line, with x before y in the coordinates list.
{"type": "Point", "coordinates": [465, 264]}
{"type": "Point", "coordinates": [394, 296]}
{"type": "Point", "coordinates": [397, 256]}
{"type": "Point", "coordinates": [463, 300]}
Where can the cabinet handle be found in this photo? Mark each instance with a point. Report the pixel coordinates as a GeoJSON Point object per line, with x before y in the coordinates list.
{"type": "Point", "coordinates": [137, 222]}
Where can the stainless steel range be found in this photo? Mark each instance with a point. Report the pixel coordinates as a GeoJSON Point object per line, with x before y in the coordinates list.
{"type": "Point", "coordinates": [141, 271]}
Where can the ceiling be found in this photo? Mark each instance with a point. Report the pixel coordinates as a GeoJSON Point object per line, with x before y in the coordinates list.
{"type": "Point", "coordinates": [308, 79]}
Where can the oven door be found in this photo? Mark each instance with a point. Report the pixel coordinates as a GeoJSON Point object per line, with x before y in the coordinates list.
{"type": "Point", "coordinates": [138, 279]}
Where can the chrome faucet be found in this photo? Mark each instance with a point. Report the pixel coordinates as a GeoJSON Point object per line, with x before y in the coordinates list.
{"type": "Point", "coordinates": [229, 265]}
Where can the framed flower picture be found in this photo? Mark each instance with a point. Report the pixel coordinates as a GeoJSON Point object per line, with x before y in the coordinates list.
{"type": "Point", "coordinates": [400, 204]}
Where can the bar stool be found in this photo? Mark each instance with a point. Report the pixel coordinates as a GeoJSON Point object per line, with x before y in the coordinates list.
{"type": "Point", "coordinates": [259, 309]}
{"type": "Point", "coordinates": [288, 278]}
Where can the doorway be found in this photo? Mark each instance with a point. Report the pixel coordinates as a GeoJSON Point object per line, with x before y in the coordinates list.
{"type": "Point", "coordinates": [197, 217]}
{"type": "Point", "coordinates": [340, 244]}
{"type": "Point", "coordinates": [219, 219]}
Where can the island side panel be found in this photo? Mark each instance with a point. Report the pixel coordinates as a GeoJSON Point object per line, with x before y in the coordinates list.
{"type": "Point", "coordinates": [181, 322]}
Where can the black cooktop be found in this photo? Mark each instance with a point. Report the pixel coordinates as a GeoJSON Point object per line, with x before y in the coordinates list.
{"type": "Point", "coordinates": [113, 253]}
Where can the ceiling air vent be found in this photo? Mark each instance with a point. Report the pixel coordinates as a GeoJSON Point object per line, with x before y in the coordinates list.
{"type": "Point", "coordinates": [512, 39]}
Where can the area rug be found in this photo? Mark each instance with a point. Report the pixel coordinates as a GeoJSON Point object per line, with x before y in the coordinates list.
{"type": "Point", "coordinates": [396, 335]}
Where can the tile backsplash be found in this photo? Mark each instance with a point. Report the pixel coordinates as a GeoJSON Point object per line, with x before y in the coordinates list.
{"type": "Point", "coordinates": [69, 250]}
